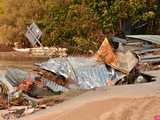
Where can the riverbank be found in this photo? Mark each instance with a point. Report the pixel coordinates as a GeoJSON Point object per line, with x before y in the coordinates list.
{"type": "Point", "coordinates": [131, 102]}
{"type": "Point", "coordinates": [21, 56]}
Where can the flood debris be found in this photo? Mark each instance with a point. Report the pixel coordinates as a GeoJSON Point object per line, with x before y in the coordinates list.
{"type": "Point", "coordinates": [147, 48]}
{"type": "Point", "coordinates": [53, 81]}
{"type": "Point", "coordinates": [116, 59]}
{"type": "Point", "coordinates": [153, 39]}
{"type": "Point", "coordinates": [108, 66]}
{"type": "Point", "coordinates": [45, 51]}
{"type": "Point", "coordinates": [85, 72]}
{"type": "Point", "coordinates": [21, 88]}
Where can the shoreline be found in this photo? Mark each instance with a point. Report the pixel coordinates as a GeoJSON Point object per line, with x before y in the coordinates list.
{"type": "Point", "coordinates": [20, 56]}
{"type": "Point", "coordinates": [102, 101]}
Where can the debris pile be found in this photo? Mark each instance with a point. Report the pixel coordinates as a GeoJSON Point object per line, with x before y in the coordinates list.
{"type": "Point", "coordinates": [50, 80]}
{"type": "Point", "coordinates": [51, 52]}
{"type": "Point", "coordinates": [147, 48]}
{"type": "Point", "coordinates": [5, 48]}
{"type": "Point", "coordinates": [44, 51]}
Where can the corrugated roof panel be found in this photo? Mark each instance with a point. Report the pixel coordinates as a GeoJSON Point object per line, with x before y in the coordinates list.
{"type": "Point", "coordinates": [150, 38]}
{"type": "Point", "coordinates": [86, 72]}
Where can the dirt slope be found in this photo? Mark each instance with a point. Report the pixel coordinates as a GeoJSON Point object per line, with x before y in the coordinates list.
{"type": "Point", "coordinates": [114, 109]}
{"type": "Point", "coordinates": [133, 102]}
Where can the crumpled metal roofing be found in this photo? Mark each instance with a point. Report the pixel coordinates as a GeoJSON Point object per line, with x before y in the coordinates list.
{"type": "Point", "coordinates": [54, 86]}
{"type": "Point", "coordinates": [14, 77]}
{"type": "Point", "coordinates": [86, 72]}
{"type": "Point", "coordinates": [150, 38]}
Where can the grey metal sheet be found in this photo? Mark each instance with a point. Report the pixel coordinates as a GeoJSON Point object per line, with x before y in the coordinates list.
{"type": "Point", "coordinates": [86, 72]}
{"type": "Point", "coordinates": [150, 56]}
{"type": "Point", "coordinates": [35, 30]}
{"type": "Point", "coordinates": [33, 34]}
{"type": "Point", "coordinates": [31, 38]}
{"type": "Point", "coordinates": [141, 51]}
{"type": "Point", "coordinates": [53, 86]}
{"type": "Point", "coordinates": [149, 38]}
{"type": "Point", "coordinates": [119, 40]}
{"type": "Point", "coordinates": [150, 60]}
{"type": "Point", "coordinates": [15, 76]}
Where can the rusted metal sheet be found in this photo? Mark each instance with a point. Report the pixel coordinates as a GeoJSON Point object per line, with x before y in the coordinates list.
{"type": "Point", "coordinates": [123, 61]}
{"type": "Point", "coordinates": [105, 53]}
{"type": "Point", "coordinates": [126, 61]}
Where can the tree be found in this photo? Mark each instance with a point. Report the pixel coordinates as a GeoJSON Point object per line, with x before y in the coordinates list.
{"type": "Point", "coordinates": [125, 15]}
{"type": "Point", "coordinates": [17, 14]}
{"type": "Point", "coordinates": [77, 23]}
{"type": "Point", "coordinates": [71, 24]}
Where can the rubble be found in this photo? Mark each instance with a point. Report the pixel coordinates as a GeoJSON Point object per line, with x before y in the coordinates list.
{"type": "Point", "coordinates": [148, 49]}
{"type": "Point", "coordinates": [115, 58]}
{"type": "Point", "coordinates": [48, 83]}
{"type": "Point", "coordinates": [86, 72]}
{"type": "Point", "coordinates": [154, 39]}
{"type": "Point", "coordinates": [44, 51]}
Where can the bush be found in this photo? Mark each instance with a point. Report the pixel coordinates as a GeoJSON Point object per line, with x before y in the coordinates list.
{"type": "Point", "coordinates": [16, 15]}
{"type": "Point", "coordinates": [72, 25]}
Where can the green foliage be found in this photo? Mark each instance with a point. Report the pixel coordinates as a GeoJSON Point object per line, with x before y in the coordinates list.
{"type": "Point", "coordinates": [77, 24]}
{"type": "Point", "coordinates": [17, 14]}
{"type": "Point", "coordinates": [68, 23]}
{"type": "Point", "coordinates": [112, 15]}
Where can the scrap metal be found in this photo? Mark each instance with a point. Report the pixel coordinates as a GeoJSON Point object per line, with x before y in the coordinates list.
{"type": "Point", "coordinates": [84, 71]}
{"type": "Point", "coordinates": [149, 38]}
{"type": "Point", "coordinates": [142, 51]}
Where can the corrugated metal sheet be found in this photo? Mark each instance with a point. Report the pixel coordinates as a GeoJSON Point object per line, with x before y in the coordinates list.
{"type": "Point", "coordinates": [142, 51]}
{"type": "Point", "coordinates": [119, 40]}
{"type": "Point", "coordinates": [150, 38]}
{"type": "Point", "coordinates": [86, 72]}
{"type": "Point", "coordinates": [15, 76]}
{"type": "Point", "coordinates": [53, 86]}
{"type": "Point", "coordinates": [150, 58]}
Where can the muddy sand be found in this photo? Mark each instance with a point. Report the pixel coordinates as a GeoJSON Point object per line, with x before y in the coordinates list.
{"type": "Point", "coordinates": [131, 102]}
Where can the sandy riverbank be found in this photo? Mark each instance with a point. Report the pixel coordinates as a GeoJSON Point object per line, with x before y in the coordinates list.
{"type": "Point", "coordinates": [132, 102]}
{"type": "Point", "coordinates": [113, 109]}
{"type": "Point", "coordinates": [20, 56]}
